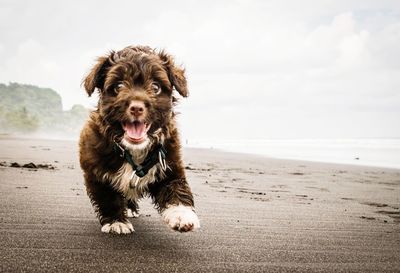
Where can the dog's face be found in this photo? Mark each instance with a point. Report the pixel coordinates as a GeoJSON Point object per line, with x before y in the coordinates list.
{"type": "Point", "coordinates": [136, 92]}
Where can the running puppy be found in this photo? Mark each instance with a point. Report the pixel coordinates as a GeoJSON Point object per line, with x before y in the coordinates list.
{"type": "Point", "coordinates": [129, 147]}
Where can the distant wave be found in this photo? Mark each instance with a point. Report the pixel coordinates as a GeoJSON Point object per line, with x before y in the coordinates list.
{"type": "Point", "coordinates": [380, 152]}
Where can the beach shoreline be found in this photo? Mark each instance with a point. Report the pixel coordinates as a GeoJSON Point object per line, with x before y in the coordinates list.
{"type": "Point", "coordinates": [374, 152]}
{"type": "Point", "coordinates": [228, 152]}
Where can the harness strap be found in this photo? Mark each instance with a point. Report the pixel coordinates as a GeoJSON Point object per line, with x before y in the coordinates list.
{"type": "Point", "coordinates": [157, 155]}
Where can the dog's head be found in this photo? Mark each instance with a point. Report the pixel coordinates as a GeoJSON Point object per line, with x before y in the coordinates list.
{"type": "Point", "coordinates": [136, 92]}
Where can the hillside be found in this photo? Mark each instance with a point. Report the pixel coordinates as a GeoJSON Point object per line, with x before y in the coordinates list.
{"type": "Point", "coordinates": [30, 109]}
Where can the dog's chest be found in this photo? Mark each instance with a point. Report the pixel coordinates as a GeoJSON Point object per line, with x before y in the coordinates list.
{"type": "Point", "coordinates": [132, 186]}
{"type": "Point", "coordinates": [129, 184]}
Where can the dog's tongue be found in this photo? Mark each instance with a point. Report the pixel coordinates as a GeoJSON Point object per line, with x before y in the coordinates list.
{"type": "Point", "coordinates": [135, 130]}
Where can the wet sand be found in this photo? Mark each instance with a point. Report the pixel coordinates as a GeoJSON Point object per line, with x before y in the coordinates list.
{"type": "Point", "coordinates": [257, 215]}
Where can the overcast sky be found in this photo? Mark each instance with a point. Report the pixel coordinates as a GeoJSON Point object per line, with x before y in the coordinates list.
{"type": "Point", "coordinates": [256, 69]}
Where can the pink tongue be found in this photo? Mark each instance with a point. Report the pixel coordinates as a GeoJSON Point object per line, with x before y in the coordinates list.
{"type": "Point", "coordinates": [135, 130]}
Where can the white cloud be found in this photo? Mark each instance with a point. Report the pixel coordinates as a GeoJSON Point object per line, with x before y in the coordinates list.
{"type": "Point", "coordinates": [29, 64]}
{"type": "Point", "coordinates": [330, 75]}
{"type": "Point", "coordinates": [255, 68]}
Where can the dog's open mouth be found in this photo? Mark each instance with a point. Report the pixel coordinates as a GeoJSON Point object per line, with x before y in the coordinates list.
{"type": "Point", "coordinates": [136, 131]}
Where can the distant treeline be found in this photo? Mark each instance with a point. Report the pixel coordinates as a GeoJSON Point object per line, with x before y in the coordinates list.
{"type": "Point", "coordinates": [30, 109]}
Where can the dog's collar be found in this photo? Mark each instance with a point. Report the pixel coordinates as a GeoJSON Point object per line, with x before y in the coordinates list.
{"type": "Point", "coordinates": [157, 155]}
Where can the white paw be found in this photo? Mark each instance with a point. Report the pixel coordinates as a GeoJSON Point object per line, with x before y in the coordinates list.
{"type": "Point", "coordinates": [181, 218]}
{"type": "Point", "coordinates": [118, 228]}
{"type": "Point", "coordinates": [132, 214]}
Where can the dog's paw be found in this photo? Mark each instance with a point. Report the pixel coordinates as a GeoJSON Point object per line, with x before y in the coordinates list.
{"type": "Point", "coordinates": [132, 214]}
{"type": "Point", "coordinates": [118, 228]}
{"type": "Point", "coordinates": [181, 218]}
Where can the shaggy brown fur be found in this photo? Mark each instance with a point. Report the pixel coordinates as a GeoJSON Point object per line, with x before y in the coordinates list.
{"type": "Point", "coordinates": [122, 77]}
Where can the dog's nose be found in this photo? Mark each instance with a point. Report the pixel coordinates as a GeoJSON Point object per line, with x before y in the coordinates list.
{"type": "Point", "coordinates": [136, 108]}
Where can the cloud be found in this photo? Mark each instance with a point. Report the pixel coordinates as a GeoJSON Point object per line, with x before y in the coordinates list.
{"type": "Point", "coordinates": [255, 68]}
{"type": "Point", "coordinates": [29, 64]}
{"type": "Point", "coordinates": [336, 71]}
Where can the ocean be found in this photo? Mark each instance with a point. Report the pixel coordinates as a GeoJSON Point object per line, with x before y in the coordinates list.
{"type": "Point", "coordinates": [379, 152]}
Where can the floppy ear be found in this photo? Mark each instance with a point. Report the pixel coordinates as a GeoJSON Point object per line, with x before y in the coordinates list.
{"type": "Point", "coordinates": [176, 74]}
{"type": "Point", "coordinates": [95, 79]}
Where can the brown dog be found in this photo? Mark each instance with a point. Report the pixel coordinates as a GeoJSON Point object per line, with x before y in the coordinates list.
{"type": "Point", "coordinates": [129, 147]}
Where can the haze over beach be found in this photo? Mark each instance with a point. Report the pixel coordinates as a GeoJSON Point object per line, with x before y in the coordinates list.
{"type": "Point", "coordinates": [290, 135]}
{"type": "Point", "coordinates": [256, 69]}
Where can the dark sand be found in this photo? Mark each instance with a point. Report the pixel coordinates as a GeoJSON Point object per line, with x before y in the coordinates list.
{"type": "Point", "coordinates": [257, 215]}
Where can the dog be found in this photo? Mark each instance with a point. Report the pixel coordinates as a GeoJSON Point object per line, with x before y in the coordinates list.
{"type": "Point", "coordinates": [129, 148]}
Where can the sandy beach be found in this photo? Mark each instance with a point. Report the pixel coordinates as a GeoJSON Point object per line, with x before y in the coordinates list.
{"type": "Point", "coordinates": [257, 214]}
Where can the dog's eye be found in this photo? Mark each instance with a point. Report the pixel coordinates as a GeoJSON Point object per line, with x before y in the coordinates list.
{"type": "Point", "coordinates": [156, 88]}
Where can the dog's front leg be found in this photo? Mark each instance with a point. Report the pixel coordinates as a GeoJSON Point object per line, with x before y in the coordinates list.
{"type": "Point", "coordinates": [110, 206]}
{"type": "Point", "coordinates": [174, 200]}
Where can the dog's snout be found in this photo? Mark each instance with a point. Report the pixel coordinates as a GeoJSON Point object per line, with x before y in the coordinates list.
{"type": "Point", "coordinates": [136, 108]}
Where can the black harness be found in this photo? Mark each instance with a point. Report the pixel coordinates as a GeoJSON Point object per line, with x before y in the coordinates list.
{"type": "Point", "coordinates": [156, 155]}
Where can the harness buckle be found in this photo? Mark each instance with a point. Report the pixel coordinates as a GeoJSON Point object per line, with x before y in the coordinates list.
{"type": "Point", "coordinates": [133, 185]}
{"type": "Point", "coordinates": [161, 159]}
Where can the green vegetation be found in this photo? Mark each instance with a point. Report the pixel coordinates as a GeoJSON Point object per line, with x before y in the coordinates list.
{"type": "Point", "coordinates": [30, 109]}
